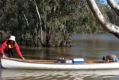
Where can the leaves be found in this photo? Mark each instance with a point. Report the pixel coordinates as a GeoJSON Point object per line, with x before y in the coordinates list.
{"type": "Point", "coordinates": [63, 17]}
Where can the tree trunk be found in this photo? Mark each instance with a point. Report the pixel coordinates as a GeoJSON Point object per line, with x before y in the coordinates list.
{"type": "Point", "coordinates": [99, 16]}
{"type": "Point", "coordinates": [27, 23]}
{"type": "Point", "coordinates": [114, 6]}
{"type": "Point", "coordinates": [41, 30]}
{"type": "Point", "coordinates": [44, 31]}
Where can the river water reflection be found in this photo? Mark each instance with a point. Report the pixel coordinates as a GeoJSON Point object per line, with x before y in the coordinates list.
{"type": "Point", "coordinates": [86, 46]}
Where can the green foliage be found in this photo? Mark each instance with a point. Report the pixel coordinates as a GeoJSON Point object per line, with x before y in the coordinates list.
{"type": "Point", "coordinates": [63, 17]}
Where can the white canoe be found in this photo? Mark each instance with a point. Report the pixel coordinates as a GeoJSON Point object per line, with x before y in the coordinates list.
{"type": "Point", "coordinates": [34, 64]}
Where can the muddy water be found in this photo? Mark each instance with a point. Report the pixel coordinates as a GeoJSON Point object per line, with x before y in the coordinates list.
{"type": "Point", "coordinates": [59, 75]}
{"type": "Point", "coordinates": [86, 46]}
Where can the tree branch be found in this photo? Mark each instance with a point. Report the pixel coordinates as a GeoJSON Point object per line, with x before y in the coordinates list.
{"type": "Point", "coordinates": [26, 19]}
{"type": "Point", "coordinates": [105, 23]}
{"type": "Point", "coordinates": [114, 6]}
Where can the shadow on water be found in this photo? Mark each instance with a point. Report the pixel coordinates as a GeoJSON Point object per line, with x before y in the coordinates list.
{"type": "Point", "coordinates": [46, 53]}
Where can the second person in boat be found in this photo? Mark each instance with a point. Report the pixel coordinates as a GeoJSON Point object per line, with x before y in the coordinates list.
{"type": "Point", "coordinates": [8, 45]}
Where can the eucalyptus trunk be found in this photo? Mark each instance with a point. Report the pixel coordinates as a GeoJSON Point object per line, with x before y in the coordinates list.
{"type": "Point", "coordinates": [114, 5]}
{"type": "Point", "coordinates": [27, 23]}
{"type": "Point", "coordinates": [112, 28]}
{"type": "Point", "coordinates": [41, 30]}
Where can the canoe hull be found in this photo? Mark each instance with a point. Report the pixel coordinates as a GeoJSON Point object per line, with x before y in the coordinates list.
{"type": "Point", "coordinates": [12, 64]}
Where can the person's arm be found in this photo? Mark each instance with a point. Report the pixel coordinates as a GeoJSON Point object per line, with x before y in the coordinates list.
{"type": "Point", "coordinates": [2, 48]}
{"type": "Point", "coordinates": [18, 51]}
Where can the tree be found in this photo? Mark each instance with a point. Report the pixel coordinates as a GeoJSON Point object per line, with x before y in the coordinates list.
{"type": "Point", "coordinates": [114, 5]}
{"type": "Point", "coordinates": [111, 28]}
{"type": "Point", "coordinates": [51, 23]}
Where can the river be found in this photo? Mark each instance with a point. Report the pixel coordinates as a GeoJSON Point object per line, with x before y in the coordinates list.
{"type": "Point", "coordinates": [87, 46]}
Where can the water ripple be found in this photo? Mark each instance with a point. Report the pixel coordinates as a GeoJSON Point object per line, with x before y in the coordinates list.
{"type": "Point", "coordinates": [59, 75]}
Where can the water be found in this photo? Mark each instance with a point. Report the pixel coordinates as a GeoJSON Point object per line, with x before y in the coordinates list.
{"type": "Point", "coordinates": [59, 75]}
{"type": "Point", "coordinates": [86, 46]}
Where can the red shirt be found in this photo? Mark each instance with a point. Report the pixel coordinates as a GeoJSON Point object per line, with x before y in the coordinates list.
{"type": "Point", "coordinates": [4, 46]}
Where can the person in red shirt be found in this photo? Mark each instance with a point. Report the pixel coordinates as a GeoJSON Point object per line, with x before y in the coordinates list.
{"type": "Point", "coordinates": [8, 45]}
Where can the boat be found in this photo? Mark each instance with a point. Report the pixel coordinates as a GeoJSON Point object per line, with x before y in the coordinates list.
{"type": "Point", "coordinates": [13, 63]}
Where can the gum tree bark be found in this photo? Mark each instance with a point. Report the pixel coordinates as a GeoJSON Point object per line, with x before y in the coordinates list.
{"type": "Point", "coordinates": [114, 6]}
{"type": "Point", "coordinates": [27, 23]}
{"type": "Point", "coordinates": [44, 30]}
{"type": "Point", "coordinates": [111, 28]}
{"type": "Point", "coordinates": [39, 16]}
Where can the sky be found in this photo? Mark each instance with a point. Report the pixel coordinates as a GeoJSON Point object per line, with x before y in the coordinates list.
{"type": "Point", "coordinates": [105, 1]}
